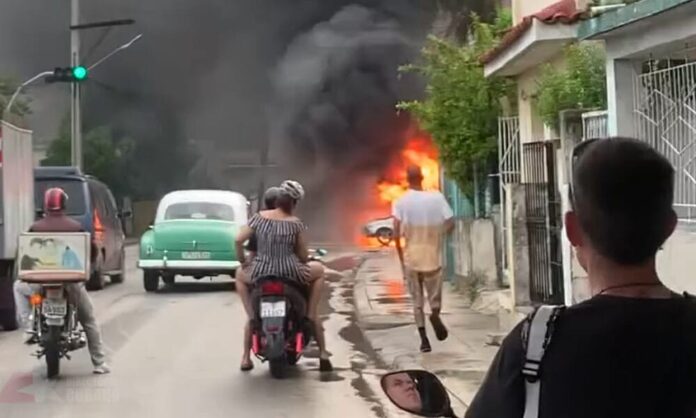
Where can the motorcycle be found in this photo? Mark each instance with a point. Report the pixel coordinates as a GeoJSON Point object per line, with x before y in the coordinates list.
{"type": "Point", "coordinates": [418, 392]}
{"type": "Point", "coordinates": [50, 264]}
{"type": "Point", "coordinates": [280, 331]}
{"type": "Point", "coordinates": [54, 325]}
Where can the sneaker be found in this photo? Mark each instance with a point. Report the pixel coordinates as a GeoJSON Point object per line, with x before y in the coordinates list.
{"type": "Point", "coordinates": [102, 369]}
{"type": "Point", "coordinates": [425, 346]}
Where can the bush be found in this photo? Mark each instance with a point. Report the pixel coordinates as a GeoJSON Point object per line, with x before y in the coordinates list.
{"type": "Point", "coordinates": [462, 106]}
{"type": "Point", "coordinates": [580, 85]}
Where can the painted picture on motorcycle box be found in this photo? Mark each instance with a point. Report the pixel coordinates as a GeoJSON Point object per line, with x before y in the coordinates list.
{"type": "Point", "coordinates": [53, 256]}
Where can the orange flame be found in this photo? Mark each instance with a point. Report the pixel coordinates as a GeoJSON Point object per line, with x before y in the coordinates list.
{"type": "Point", "coordinates": [419, 151]}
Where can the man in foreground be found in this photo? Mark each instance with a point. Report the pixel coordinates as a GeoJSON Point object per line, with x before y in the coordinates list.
{"type": "Point", "coordinates": [423, 218]}
{"type": "Point", "coordinates": [55, 220]}
{"type": "Point", "coordinates": [630, 350]}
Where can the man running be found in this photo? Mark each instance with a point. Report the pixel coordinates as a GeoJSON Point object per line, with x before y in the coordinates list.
{"type": "Point", "coordinates": [423, 218]}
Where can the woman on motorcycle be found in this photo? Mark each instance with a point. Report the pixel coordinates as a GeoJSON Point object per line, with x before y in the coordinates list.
{"type": "Point", "coordinates": [243, 276]}
{"type": "Point", "coordinates": [282, 251]}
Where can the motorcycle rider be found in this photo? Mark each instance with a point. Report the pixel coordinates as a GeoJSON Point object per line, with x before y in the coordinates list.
{"type": "Point", "coordinates": [55, 220]}
{"type": "Point", "coordinates": [243, 277]}
{"type": "Point", "coordinates": [282, 251]}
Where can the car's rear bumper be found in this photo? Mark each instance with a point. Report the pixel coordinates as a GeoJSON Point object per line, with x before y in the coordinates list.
{"type": "Point", "coordinates": [197, 265]}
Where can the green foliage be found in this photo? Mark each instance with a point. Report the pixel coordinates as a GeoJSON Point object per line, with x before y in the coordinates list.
{"type": "Point", "coordinates": [7, 88]}
{"type": "Point", "coordinates": [105, 156]}
{"type": "Point", "coordinates": [462, 106]}
{"type": "Point", "coordinates": [580, 85]}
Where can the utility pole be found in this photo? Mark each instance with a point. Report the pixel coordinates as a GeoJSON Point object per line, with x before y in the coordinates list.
{"type": "Point", "coordinates": [75, 88]}
{"type": "Point", "coordinates": [263, 162]}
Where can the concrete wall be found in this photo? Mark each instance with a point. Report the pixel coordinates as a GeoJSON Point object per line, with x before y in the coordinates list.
{"type": "Point", "coordinates": [476, 251]}
{"type": "Point", "coordinates": [522, 8]}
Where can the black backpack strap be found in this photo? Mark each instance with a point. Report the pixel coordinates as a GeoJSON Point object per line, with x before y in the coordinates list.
{"type": "Point", "coordinates": [536, 337]}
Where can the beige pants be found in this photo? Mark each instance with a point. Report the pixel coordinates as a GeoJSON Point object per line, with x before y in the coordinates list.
{"type": "Point", "coordinates": [432, 283]}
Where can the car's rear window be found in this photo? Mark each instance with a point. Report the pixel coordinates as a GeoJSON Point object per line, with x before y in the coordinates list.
{"type": "Point", "coordinates": [199, 210]}
{"type": "Point", "coordinates": [74, 188]}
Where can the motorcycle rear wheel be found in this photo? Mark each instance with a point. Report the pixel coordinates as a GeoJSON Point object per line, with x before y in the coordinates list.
{"type": "Point", "coordinates": [293, 359]}
{"type": "Point", "coordinates": [278, 367]}
{"type": "Point", "coordinates": [53, 351]}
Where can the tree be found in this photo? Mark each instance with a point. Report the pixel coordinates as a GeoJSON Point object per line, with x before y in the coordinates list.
{"type": "Point", "coordinates": [580, 85]}
{"type": "Point", "coordinates": [462, 106]}
{"type": "Point", "coordinates": [105, 156]}
{"type": "Point", "coordinates": [7, 88]}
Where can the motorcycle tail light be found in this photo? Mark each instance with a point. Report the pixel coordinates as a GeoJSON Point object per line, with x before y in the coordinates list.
{"type": "Point", "coordinates": [36, 299]}
{"type": "Point", "coordinates": [299, 343]}
{"type": "Point", "coordinates": [272, 288]}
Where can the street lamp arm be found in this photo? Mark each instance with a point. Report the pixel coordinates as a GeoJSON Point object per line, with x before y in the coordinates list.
{"type": "Point", "coordinates": [116, 51]}
{"type": "Point", "coordinates": [21, 86]}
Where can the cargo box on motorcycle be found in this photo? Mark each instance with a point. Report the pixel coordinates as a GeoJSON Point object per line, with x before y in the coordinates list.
{"type": "Point", "coordinates": [49, 257]}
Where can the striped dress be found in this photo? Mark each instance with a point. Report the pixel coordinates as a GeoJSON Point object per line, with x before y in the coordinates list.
{"type": "Point", "coordinates": [276, 243]}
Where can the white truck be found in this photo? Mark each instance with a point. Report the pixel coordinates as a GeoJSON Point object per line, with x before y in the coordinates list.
{"type": "Point", "coordinates": [17, 211]}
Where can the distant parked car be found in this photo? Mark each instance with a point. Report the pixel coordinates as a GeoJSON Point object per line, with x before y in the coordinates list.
{"type": "Point", "coordinates": [193, 235]}
{"type": "Point", "coordinates": [382, 229]}
{"type": "Point", "coordinates": [91, 203]}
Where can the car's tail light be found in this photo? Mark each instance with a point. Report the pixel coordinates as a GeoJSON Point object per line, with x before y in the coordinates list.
{"type": "Point", "coordinates": [272, 288]}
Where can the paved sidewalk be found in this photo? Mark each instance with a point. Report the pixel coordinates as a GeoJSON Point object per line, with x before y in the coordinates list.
{"type": "Point", "coordinates": [385, 315]}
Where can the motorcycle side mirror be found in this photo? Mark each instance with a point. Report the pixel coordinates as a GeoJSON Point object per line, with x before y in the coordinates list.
{"type": "Point", "coordinates": [418, 392]}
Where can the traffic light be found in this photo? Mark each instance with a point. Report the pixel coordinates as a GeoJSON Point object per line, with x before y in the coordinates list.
{"type": "Point", "coordinates": [68, 75]}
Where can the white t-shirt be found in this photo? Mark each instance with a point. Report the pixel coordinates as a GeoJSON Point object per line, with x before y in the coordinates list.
{"type": "Point", "coordinates": [422, 215]}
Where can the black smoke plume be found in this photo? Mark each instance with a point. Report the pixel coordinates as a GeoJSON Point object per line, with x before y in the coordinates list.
{"type": "Point", "coordinates": [317, 78]}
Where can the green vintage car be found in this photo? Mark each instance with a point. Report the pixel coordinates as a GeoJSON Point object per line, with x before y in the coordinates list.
{"type": "Point", "coordinates": [193, 235]}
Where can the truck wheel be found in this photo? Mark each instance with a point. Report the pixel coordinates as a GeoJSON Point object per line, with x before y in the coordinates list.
{"type": "Point", "coordinates": [385, 236]}
{"type": "Point", "coordinates": [8, 320]}
{"type": "Point", "coordinates": [151, 280]}
{"type": "Point", "coordinates": [168, 278]}
{"type": "Point", "coordinates": [53, 352]}
{"type": "Point", "coordinates": [96, 279]}
{"type": "Point", "coordinates": [118, 278]}
{"type": "Point", "coordinates": [278, 367]}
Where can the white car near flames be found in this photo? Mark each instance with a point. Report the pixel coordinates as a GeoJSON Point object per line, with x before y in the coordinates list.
{"type": "Point", "coordinates": [382, 229]}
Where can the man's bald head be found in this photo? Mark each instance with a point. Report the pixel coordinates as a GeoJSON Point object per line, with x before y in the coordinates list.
{"type": "Point", "coordinates": [414, 176]}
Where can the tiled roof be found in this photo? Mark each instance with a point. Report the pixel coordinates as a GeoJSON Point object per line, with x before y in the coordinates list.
{"type": "Point", "coordinates": [563, 12]}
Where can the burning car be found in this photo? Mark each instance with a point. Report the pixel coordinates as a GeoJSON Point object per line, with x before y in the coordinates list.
{"type": "Point", "coordinates": [382, 229]}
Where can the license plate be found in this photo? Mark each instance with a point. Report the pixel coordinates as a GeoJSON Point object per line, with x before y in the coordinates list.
{"type": "Point", "coordinates": [195, 255]}
{"type": "Point", "coordinates": [55, 307]}
{"type": "Point", "coordinates": [272, 309]}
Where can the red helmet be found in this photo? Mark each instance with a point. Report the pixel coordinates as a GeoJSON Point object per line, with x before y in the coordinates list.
{"type": "Point", "coordinates": [55, 200]}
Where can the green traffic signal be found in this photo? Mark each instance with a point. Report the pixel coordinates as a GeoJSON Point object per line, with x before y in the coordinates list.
{"type": "Point", "coordinates": [79, 73]}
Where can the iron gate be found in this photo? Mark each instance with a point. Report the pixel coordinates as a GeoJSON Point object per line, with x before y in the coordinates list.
{"type": "Point", "coordinates": [509, 172]}
{"type": "Point", "coordinates": [665, 117]}
{"type": "Point", "coordinates": [543, 222]}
